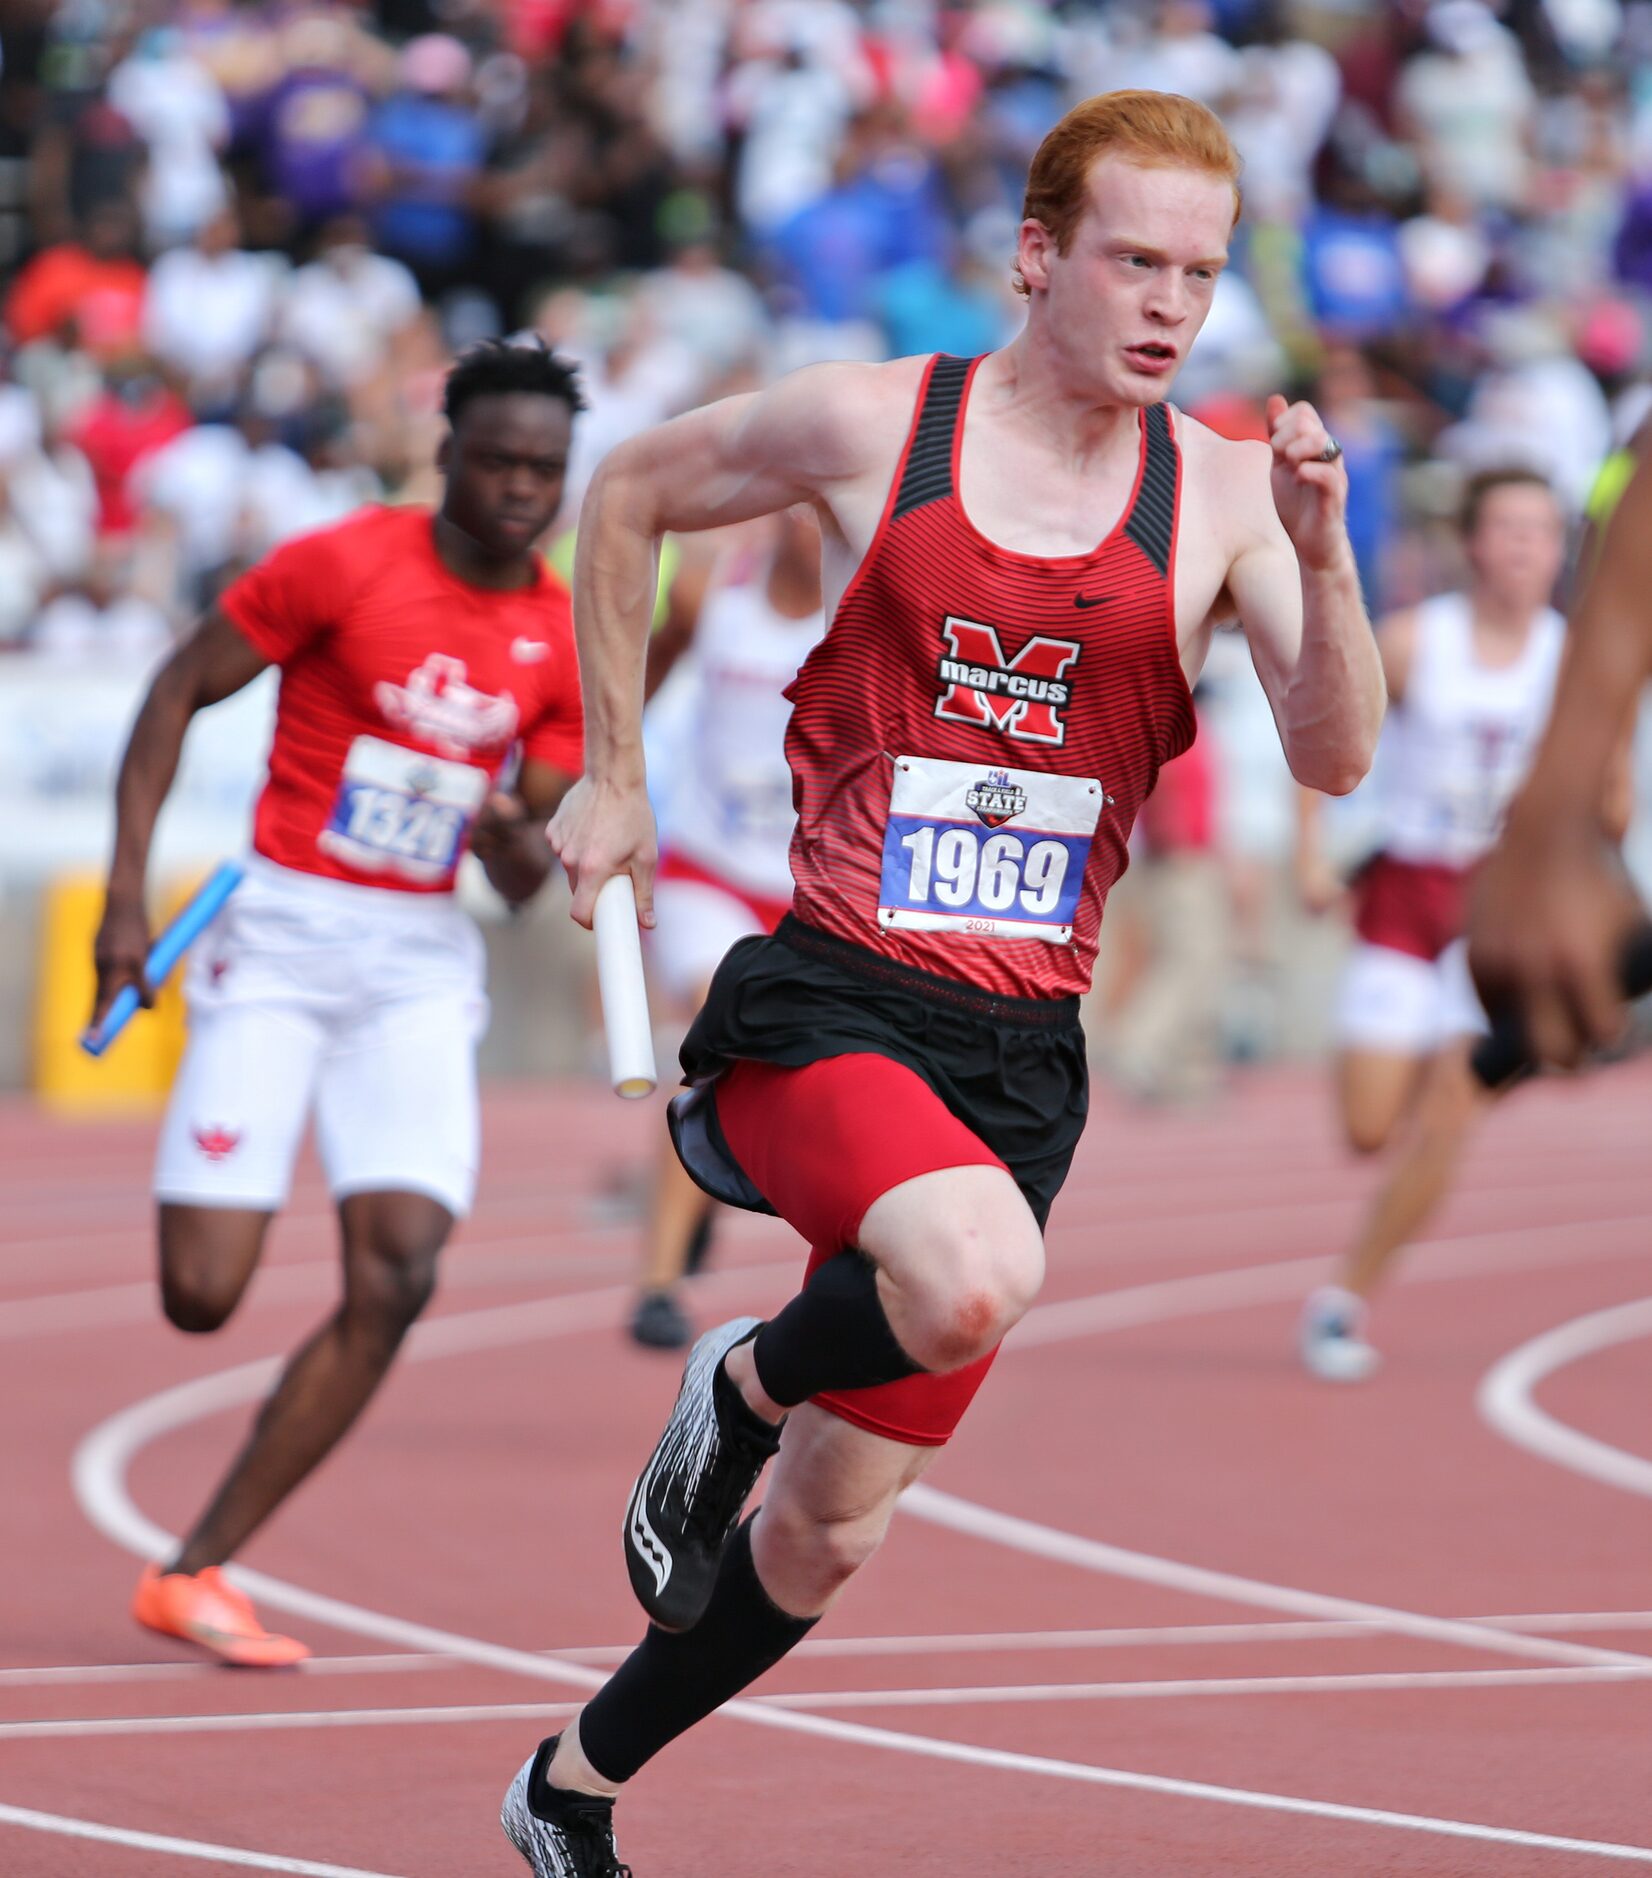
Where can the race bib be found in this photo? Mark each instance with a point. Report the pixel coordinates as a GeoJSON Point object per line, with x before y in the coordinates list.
{"type": "Point", "coordinates": [401, 812]}
{"type": "Point", "coordinates": [991, 853]}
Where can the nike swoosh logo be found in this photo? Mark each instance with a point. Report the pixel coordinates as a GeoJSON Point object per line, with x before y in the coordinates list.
{"type": "Point", "coordinates": [529, 651]}
{"type": "Point", "coordinates": [1091, 599]}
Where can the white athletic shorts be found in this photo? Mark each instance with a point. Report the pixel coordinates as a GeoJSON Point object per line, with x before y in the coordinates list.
{"type": "Point", "coordinates": [360, 1003]}
{"type": "Point", "coordinates": [1395, 1001]}
{"type": "Point", "coordinates": [695, 923]}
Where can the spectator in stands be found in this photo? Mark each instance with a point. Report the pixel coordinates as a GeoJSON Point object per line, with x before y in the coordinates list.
{"type": "Point", "coordinates": [423, 154]}
{"type": "Point", "coordinates": [210, 308]}
{"type": "Point", "coordinates": [134, 415]}
{"type": "Point", "coordinates": [88, 291]}
{"type": "Point", "coordinates": [179, 110]}
{"type": "Point", "coordinates": [347, 309]}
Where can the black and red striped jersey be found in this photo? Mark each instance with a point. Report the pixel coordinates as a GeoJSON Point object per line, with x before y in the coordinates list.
{"type": "Point", "coordinates": [971, 741]}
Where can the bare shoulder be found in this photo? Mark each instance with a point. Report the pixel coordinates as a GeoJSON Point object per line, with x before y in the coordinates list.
{"type": "Point", "coordinates": [842, 418]}
{"type": "Point", "coordinates": [1229, 479]}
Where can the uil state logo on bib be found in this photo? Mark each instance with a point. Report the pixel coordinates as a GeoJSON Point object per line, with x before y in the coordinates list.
{"type": "Point", "coordinates": [995, 799]}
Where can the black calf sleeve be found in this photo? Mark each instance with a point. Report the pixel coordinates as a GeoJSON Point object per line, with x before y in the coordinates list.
{"type": "Point", "coordinates": [833, 1335]}
{"type": "Point", "coordinates": [674, 1679]}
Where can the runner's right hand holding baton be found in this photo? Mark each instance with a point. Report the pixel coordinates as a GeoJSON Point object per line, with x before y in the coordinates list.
{"type": "Point", "coordinates": [604, 838]}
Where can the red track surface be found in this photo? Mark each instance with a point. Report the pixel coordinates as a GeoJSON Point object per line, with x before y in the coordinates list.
{"type": "Point", "coordinates": [483, 1497]}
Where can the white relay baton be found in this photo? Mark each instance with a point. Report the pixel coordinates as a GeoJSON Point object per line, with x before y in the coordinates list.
{"type": "Point", "coordinates": [624, 995]}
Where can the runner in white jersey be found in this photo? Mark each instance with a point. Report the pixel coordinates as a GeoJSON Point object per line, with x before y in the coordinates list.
{"type": "Point", "coordinates": [725, 835]}
{"type": "Point", "coordinates": [1470, 678]}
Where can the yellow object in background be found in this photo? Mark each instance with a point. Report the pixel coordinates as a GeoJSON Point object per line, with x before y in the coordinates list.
{"type": "Point", "coordinates": [137, 1072]}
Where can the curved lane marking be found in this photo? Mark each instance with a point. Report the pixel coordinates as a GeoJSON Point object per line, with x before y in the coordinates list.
{"type": "Point", "coordinates": [101, 1461]}
{"type": "Point", "coordinates": [1505, 1397]}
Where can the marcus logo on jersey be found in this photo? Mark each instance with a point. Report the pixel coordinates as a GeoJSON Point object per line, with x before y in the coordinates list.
{"type": "Point", "coordinates": [1024, 696]}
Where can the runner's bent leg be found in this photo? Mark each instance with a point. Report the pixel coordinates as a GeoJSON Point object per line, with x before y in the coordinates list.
{"type": "Point", "coordinates": [939, 1252]}
{"type": "Point", "coordinates": [1450, 1103]}
{"type": "Point", "coordinates": [390, 1242]}
{"type": "Point", "coordinates": [828, 1505]}
{"type": "Point", "coordinates": [1374, 1090]}
{"type": "Point", "coordinates": [208, 1255]}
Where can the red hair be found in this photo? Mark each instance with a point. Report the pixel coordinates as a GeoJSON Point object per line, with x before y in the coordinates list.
{"type": "Point", "coordinates": [1157, 129]}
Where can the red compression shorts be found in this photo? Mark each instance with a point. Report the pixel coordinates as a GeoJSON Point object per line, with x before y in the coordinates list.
{"type": "Point", "coordinates": [821, 1143]}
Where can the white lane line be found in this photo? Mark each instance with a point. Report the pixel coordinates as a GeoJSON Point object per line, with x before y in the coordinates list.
{"type": "Point", "coordinates": [961, 1643]}
{"type": "Point", "coordinates": [1500, 1249]}
{"type": "Point", "coordinates": [975, 1695]}
{"type": "Point", "coordinates": [67, 1828]}
{"type": "Point", "coordinates": [1505, 1396]}
{"type": "Point", "coordinates": [481, 1260]}
{"type": "Point", "coordinates": [925, 1502]}
{"type": "Point", "coordinates": [277, 1721]}
{"type": "Point", "coordinates": [100, 1462]}
{"type": "Point", "coordinates": [478, 1261]}
{"type": "Point", "coordinates": [1351, 1683]}
{"type": "Point", "coordinates": [99, 1473]}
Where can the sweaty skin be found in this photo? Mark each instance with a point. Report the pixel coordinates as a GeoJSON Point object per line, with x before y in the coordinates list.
{"type": "Point", "coordinates": [1048, 463]}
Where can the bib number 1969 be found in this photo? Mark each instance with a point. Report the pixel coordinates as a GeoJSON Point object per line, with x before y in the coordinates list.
{"type": "Point", "coordinates": [990, 853]}
{"type": "Point", "coordinates": [954, 867]}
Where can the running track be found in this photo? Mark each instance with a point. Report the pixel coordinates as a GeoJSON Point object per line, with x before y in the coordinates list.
{"type": "Point", "coordinates": [1167, 1608]}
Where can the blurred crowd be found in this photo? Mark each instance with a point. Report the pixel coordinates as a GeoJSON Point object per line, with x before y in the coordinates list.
{"type": "Point", "coordinates": [242, 241]}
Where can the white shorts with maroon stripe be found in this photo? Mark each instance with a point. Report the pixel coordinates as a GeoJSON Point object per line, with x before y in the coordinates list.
{"type": "Point", "coordinates": [697, 917]}
{"type": "Point", "coordinates": [1392, 1001]}
{"type": "Point", "coordinates": [357, 1003]}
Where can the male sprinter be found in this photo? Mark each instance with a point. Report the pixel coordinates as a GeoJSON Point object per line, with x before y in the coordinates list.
{"type": "Point", "coordinates": [1551, 905]}
{"type": "Point", "coordinates": [1024, 558]}
{"type": "Point", "coordinates": [727, 831]}
{"type": "Point", "coordinates": [417, 652]}
{"type": "Point", "coordinates": [1471, 677]}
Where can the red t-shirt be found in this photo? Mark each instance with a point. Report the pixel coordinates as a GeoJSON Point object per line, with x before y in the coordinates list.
{"type": "Point", "coordinates": [115, 437]}
{"type": "Point", "coordinates": [403, 689]}
{"type": "Point", "coordinates": [103, 298]}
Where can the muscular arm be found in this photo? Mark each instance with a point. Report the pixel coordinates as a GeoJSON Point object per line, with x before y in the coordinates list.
{"type": "Point", "coordinates": [798, 441]}
{"type": "Point", "coordinates": [213, 663]}
{"type": "Point", "coordinates": [1296, 590]}
{"type": "Point", "coordinates": [728, 462]}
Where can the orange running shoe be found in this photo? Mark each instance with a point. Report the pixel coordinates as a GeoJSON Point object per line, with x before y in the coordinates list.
{"type": "Point", "coordinates": [206, 1609]}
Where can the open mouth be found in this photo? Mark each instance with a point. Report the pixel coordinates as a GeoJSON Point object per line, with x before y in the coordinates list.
{"type": "Point", "coordinates": [1153, 355]}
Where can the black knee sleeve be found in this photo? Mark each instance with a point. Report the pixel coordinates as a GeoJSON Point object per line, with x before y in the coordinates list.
{"type": "Point", "coordinates": [674, 1679]}
{"type": "Point", "coordinates": [833, 1335]}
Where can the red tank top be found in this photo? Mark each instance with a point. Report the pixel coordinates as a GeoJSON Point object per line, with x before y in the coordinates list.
{"type": "Point", "coordinates": [974, 736]}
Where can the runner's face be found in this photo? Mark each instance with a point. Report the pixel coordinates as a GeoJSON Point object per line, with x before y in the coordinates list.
{"type": "Point", "coordinates": [1518, 545]}
{"type": "Point", "coordinates": [1127, 299]}
{"type": "Point", "coordinates": [505, 464]}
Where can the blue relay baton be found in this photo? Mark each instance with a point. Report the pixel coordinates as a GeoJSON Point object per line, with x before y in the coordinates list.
{"type": "Point", "coordinates": [192, 920]}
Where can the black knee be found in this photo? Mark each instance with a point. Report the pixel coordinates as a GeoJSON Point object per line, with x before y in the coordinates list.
{"type": "Point", "coordinates": [194, 1307]}
{"type": "Point", "coordinates": [388, 1284]}
{"type": "Point", "coordinates": [201, 1278]}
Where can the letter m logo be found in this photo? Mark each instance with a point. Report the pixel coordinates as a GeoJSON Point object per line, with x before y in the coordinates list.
{"type": "Point", "coordinates": [1024, 697]}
